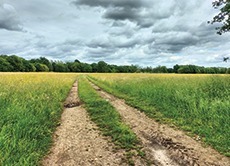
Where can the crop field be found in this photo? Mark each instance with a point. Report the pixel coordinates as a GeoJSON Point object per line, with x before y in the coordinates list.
{"type": "Point", "coordinates": [199, 104]}
{"type": "Point", "coordinates": [30, 109]}
{"type": "Point", "coordinates": [31, 105]}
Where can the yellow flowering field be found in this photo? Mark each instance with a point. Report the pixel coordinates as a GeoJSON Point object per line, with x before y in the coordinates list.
{"type": "Point", "coordinates": [30, 108]}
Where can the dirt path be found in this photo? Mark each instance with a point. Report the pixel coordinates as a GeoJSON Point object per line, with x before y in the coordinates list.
{"type": "Point", "coordinates": [77, 140]}
{"type": "Point", "coordinates": [165, 145]}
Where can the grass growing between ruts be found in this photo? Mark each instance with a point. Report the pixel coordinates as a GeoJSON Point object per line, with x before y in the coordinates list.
{"type": "Point", "coordinates": [106, 117]}
{"type": "Point", "coordinates": [30, 108]}
{"type": "Point", "coordinates": [196, 103]}
{"type": "Point", "coordinates": [109, 120]}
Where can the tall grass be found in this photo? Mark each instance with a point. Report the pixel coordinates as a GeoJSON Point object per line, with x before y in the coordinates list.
{"type": "Point", "coordinates": [196, 103]}
{"type": "Point", "coordinates": [30, 108]}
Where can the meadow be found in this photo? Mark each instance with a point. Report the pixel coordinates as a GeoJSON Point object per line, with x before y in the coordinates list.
{"type": "Point", "coordinates": [30, 109]}
{"type": "Point", "coordinates": [31, 105]}
{"type": "Point", "coordinates": [198, 104]}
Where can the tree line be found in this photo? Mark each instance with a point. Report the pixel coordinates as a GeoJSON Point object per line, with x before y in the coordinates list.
{"type": "Point", "coordinates": [15, 63]}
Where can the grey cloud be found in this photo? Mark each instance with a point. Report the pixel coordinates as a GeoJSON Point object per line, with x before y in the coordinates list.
{"type": "Point", "coordinates": [144, 32]}
{"type": "Point", "coordinates": [144, 13]}
{"type": "Point", "coordinates": [98, 54]}
{"type": "Point", "coordinates": [132, 10]}
{"type": "Point", "coordinates": [113, 42]}
{"type": "Point", "coordinates": [9, 19]}
{"type": "Point", "coordinates": [121, 14]}
{"type": "Point", "coordinates": [100, 42]}
{"type": "Point", "coordinates": [118, 24]}
{"type": "Point", "coordinates": [172, 42]}
{"type": "Point", "coordinates": [127, 32]}
{"type": "Point", "coordinates": [177, 39]}
{"type": "Point", "coordinates": [109, 3]}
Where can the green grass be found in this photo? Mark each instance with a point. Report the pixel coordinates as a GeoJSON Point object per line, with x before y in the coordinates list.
{"type": "Point", "coordinates": [199, 104]}
{"type": "Point", "coordinates": [106, 117]}
{"type": "Point", "coordinates": [30, 109]}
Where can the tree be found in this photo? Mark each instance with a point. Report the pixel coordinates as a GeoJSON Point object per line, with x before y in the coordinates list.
{"type": "Point", "coordinates": [41, 67]}
{"type": "Point", "coordinates": [160, 69]}
{"type": "Point", "coordinates": [5, 65]}
{"type": "Point", "coordinates": [223, 16]}
{"type": "Point", "coordinates": [86, 68]}
{"type": "Point", "coordinates": [228, 71]}
{"type": "Point", "coordinates": [16, 63]}
{"type": "Point", "coordinates": [29, 67]}
{"type": "Point", "coordinates": [74, 66]}
{"type": "Point", "coordinates": [184, 69]}
{"type": "Point", "coordinates": [60, 67]}
{"type": "Point", "coordinates": [102, 67]}
{"type": "Point", "coordinates": [43, 60]}
{"type": "Point", "coordinates": [94, 67]}
{"type": "Point", "coordinates": [76, 60]}
{"type": "Point", "coordinates": [175, 68]}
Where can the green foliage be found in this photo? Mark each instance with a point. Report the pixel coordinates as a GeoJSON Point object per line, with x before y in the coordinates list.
{"type": "Point", "coordinates": [60, 67]}
{"type": "Point", "coordinates": [192, 69]}
{"type": "Point", "coordinates": [86, 68]}
{"type": "Point", "coordinates": [30, 108]}
{"type": "Point", "coordinates": [194, 103]}
{"type": "Point", "coordinates": [15, 63]}
{"type": "Point", "coordinates": [5, 65]}
{"type": "Point", "coordinates": [160, 69]}
{"type": "Point", "coordinates": [228, 71]}
{"type": "Point", "coordinates": [106, 117]}
{"type": "Point", "coordinates": [74, 67]}
{"type": "Point", "coordinates": [29, 67]}
{"type": "Point", "coordinates": [102, 67]}
{"type": "Point", "coordinates": [44, 61]}
{"type": "Point", "coordinates": [41, 67]}
{"type": "Point", "coordinates": [223, 16]}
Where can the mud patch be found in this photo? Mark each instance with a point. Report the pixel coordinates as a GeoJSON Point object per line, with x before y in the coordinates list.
{"type": "Point", "coordinates": [72, 100]}
{"type": "Point", "coordinates": [165, 145]}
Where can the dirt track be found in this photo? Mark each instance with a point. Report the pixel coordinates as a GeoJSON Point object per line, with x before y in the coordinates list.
{"type": "Point", "coordinates": [165, 145]}
{"type": "Point", "coordinates": [77, 141]}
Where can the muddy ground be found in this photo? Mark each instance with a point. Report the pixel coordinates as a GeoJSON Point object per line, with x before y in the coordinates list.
{"type": "Point", "coordinates": [77, 141]}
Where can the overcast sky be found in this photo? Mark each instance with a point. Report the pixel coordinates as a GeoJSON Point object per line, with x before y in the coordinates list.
{"type": "Point", "coordinates": [122, 32]}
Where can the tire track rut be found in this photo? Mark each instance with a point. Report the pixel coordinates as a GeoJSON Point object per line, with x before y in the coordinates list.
{"type": "Point", "coordinates": [77, 141]}
{"type": "Point", "coordinates": [165, 145]}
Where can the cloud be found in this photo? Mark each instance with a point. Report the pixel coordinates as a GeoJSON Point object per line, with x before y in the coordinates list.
{"type": "Point", "coordinates": [119, 10]}
{"type": "Point", "coordinates": [144, 32]}
{"type": "Point", "coordinates": [173, 42]}
{"type": "Point", "coordinates": [121, 13]}
{"type": "Point", "coordinates": [110, 3]}
{"type": "Point", "coordinates": [9, 19]}
{"type": "Point", "coordinates": [144, 13]}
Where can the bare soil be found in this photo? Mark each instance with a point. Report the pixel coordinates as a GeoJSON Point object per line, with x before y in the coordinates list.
{"type": "Point", "coordinates": [78, 142]}
{"type": "Point", "coordinates": [165, 145]}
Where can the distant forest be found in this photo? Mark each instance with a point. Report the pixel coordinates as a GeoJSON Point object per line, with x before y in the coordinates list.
{"type": "Point", "coordinates": [15, 63]}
